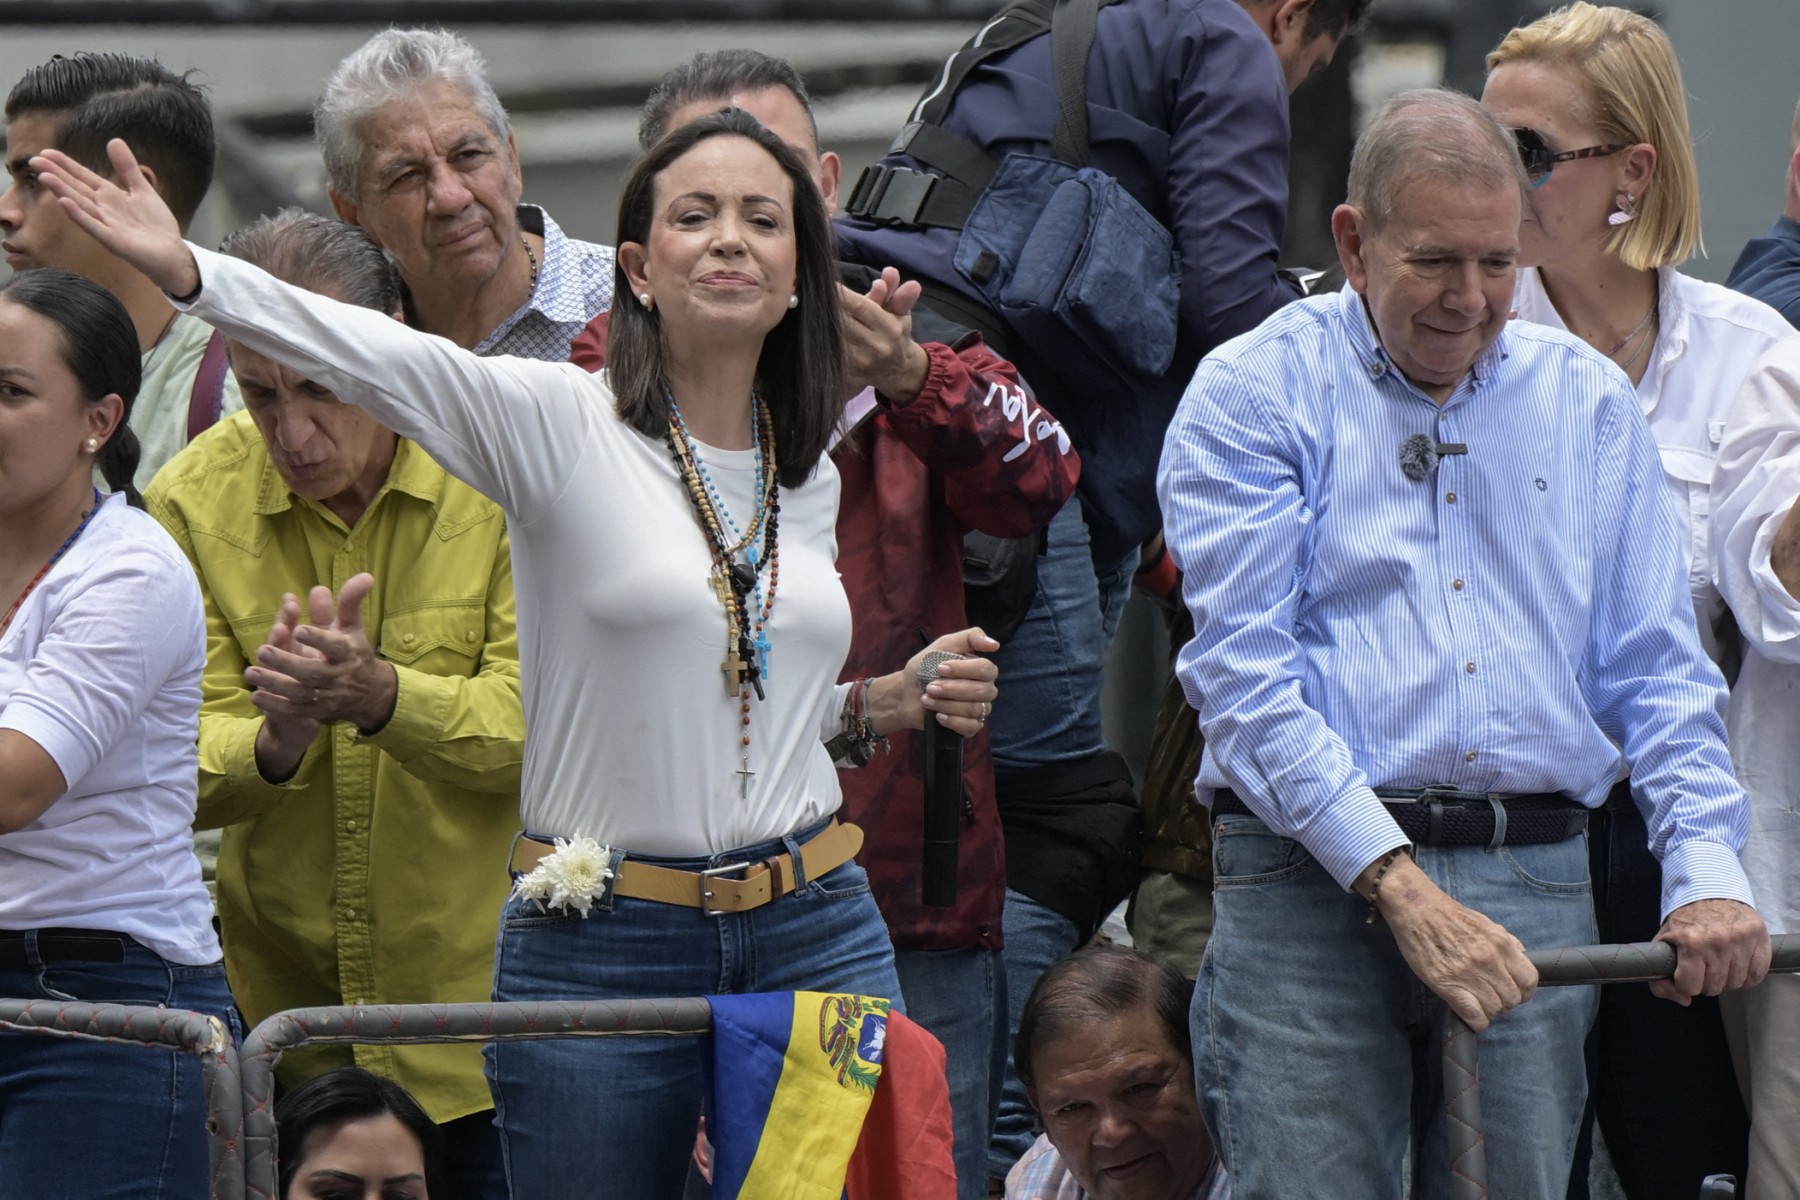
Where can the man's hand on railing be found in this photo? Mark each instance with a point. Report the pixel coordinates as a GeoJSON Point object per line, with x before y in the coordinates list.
{"type": "Point", "coordinates": [1720, 945]}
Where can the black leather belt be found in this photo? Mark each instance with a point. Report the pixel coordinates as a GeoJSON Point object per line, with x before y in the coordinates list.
{"type": "Point", "coordinates": [1442, 817]}
{"type": "Point", "coordinates": [63, 945]}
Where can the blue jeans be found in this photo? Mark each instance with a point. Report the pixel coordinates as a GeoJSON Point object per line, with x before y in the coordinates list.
{"type": "Point", "coordinates": [1317, 1052]}
{"type": "Point", "coordinates": [1037, 938]}
{"type": "Point", "coordinates": [617, 1116]}
{"type": "Point", "coordinates": [1050, 669]}
{"type": "Point", "coordinates": [958, 996]}
{"type": "Point", "coordinates": [102, 1121]}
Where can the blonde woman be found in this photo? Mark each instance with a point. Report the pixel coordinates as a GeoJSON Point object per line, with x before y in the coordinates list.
{"type": "Point", "coordinates": [1594, 97]}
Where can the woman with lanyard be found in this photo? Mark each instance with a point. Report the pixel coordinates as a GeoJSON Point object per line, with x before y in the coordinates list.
{"type": "Point", "coordinates": [680, 617]}
{"type": "Point", "coordinates": [1594, 96]}
{"type": "Point", "coordinates": [101, 649]}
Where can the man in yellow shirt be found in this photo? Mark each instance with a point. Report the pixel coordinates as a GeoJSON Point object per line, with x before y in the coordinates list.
{"type": "Point", "coordinates": [365, 758]}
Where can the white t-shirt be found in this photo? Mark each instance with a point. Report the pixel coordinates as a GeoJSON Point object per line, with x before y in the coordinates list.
{"type": "Point", "coordinates": [101, 667]}
{"type": "Point", "coordinates": [632, 737]}
{"type": "Point", "coordinates": [1708, 340]}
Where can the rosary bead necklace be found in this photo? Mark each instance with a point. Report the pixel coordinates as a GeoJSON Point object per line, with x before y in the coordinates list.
{"type": "Point", "coordinates": [737, 584]}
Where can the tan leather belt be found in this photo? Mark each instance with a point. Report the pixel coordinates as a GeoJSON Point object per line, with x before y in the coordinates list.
{"type": "Point", "coordinates": [734, 888]}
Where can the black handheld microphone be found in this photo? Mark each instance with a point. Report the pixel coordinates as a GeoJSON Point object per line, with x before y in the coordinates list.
{"type": "Point", "coordinates": [943, 797]}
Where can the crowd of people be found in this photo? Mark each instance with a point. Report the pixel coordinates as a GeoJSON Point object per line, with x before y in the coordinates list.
{"type": "Point", "coordinates": [541, 620]}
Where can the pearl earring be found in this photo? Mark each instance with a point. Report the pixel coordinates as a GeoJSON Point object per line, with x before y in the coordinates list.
{"type": "Point", "coordinates": [645, 299]}
{"type": "Point", "coordinates": [793, 299]}
{"type": "Point", "coordinates": [93, 445]}
{"type": "Point", "coordinates": [1626, 211]}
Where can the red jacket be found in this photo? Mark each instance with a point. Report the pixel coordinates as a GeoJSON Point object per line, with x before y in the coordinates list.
{"type": "Point", "coordinates": [915, 479]}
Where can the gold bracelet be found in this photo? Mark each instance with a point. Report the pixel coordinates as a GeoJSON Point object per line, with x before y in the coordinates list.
{"type": "Point", "coordinates": [1387, 862]}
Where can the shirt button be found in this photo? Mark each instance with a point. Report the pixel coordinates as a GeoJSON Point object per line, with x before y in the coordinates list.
{"type": "Point", "coordinates": [471, 635]}
{"type": "Point", "coordinates": [1469, 667]}
{"type": "Point", "coordinates": [349, 826]}
{"type": "Point", "coordinates": [1457, 584]}
{"type": "Point", "coordinates": [1469, 757]}
{"type": "Point", "coordinates": [407, 638]}
{"type": "Point", "coordinates": [1377, 370]}
{"type": "Point", "coordinates": [349, 914]}
{"type": "Point", "coordinates": [1449, 498]}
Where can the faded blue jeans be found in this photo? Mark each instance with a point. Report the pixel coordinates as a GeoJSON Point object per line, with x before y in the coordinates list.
{"type": "Point", "coordinates": [959, 996]}
{"type": "Point", "coordinates": [1317, 1052]}
{"type": "Point", "coordinates": [99, 1121]}
{"type": "Point", "coordinates": [616, 1117]}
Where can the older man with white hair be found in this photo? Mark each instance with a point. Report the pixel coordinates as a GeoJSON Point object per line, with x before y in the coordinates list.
{"type": "Point", "coordinates": [1440, 609]}
{"type": "Point", "coordinates": [419, 152]}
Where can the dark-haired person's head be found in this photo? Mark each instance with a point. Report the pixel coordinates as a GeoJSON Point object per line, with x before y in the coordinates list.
{"type": "Point", "coordinates": [324, 449]}
{"type": "Point", "coordinates": [77, 105]}
{"type": "Point", "coordinates": [1306, 33]}
{"type": "Point", "coordinates": [1106, 1058]}
{"type": "Point", "coordinates": [766, 87]}
{"type": "Point", "coordinates": [350, 1135]}
{"type": "Point", "coordinates": [69, 372]}
{"type": "Point", "coordinates": [723, 238]}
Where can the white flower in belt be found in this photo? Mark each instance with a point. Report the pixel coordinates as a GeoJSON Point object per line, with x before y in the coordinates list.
{"type": "Point", "coordinates": [572, 876]}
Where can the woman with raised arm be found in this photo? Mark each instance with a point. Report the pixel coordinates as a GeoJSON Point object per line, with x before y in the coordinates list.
{"type": "Point", "coordinates": [1594, 97]}
{"type": "Point", "coordinates": [102, 642]}
{"type": "Point", "coordinates": [681, 621]}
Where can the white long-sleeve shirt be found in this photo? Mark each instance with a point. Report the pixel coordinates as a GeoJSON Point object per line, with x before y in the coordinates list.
{"type": "Point", "coordinates": [631, 735]}
{"type": "Point", "coordinates": [1707, 339]}
{"type": "Point", "coordinates": [1757, 479]}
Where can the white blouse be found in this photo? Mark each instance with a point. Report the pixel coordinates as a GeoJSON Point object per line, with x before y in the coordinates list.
{"type": "Point", "coordinates": [101, 667]}
{"type": "Point", "coordinates": [1708, 340]}
{"type": "Point", "coordinates": [632, 737]}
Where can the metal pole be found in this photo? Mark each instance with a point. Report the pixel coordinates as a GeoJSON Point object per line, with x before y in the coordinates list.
{"type": "Point", "coordinates": [1570, 966]}
{"type": "Point", "coordinates": [424, 1023]}
{"type": "Point", "coordinates": [151, 1028]}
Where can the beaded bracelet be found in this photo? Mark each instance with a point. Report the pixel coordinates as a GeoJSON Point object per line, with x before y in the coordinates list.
{"type": "Point", "coordinates": [1387, 862]}
{"type": "Point", "coordinates": [856, 742]}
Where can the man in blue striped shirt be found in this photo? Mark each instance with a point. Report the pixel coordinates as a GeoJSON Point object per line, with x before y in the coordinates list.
{"type": "Point", "coordinates": [1440, 610]}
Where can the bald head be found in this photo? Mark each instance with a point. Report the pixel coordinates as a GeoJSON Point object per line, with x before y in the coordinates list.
{"type": "Point", "coordinates": [1430, 135]}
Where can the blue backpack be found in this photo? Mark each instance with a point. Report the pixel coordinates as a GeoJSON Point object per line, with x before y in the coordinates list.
{"type": "Point", "coordinates": [1067, 260]}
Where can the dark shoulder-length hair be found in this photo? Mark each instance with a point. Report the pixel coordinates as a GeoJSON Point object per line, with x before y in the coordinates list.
{"type": "Point", "coordinates": [100, 348]}
{"type": "Point", "coordinates": [352, 1094]}
{"type": "Point", "coordinates": [801, 372]}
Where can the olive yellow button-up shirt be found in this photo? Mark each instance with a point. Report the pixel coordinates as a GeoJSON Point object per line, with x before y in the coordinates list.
{"type": "Point", "coordinates": [375, 875]}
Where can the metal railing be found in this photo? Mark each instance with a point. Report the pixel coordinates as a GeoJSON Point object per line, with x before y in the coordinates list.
{"type": "Point", "coordinates": [165, 1029]}
{"type": "Point", "coordinates": [1571, 966]}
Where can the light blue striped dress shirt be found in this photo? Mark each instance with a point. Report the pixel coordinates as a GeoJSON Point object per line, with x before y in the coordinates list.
{"type": "Point", "coordinates": [1505, 625]}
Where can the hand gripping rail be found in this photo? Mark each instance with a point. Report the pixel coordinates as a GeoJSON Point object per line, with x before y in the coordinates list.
{"type": "Point", "coordinates": [152, 1028]}
{"type": "Point", "coordinates": [424, 1023]}
{"type": "Point", "coordinates": [1638, 962]}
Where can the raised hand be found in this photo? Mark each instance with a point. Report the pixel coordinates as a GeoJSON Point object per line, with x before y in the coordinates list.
{"type": "Point", "coordinates": [127, 217]}
{"type": "Point", "coordinates": [878, 341]}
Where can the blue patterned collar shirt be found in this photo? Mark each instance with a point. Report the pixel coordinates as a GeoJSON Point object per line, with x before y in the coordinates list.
{"type": "Point", "coordinates": [1042, 1175]}
{"type": "Point", "coordinates": [1514, 619]}
{"type": "Point", "coordinates": [574, 285]}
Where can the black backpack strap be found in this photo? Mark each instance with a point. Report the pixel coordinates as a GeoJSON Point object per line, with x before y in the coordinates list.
{"type": "Point", "coordinates": [1071, 38]}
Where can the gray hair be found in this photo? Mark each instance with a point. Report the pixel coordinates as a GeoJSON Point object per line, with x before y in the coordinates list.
{"type": "Point", "coordinates": [388, 66]}
{"type": "Point", "coordinates": [1430, 134]}
{"type": "Point", "coordinates": [321, 254]}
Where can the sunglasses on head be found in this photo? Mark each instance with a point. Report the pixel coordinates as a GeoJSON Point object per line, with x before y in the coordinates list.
{"type": "Point", "coordinates": [1538, 158]}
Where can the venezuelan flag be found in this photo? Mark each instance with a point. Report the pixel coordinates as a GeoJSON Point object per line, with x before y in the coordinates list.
{"type": "Point", "coordinates": [789, 1081]}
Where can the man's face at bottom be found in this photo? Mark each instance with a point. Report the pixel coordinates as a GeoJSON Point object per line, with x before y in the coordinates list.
{"type": "Point", "coordinates": [1117, 1100]}
{"type": "Point", "coordinates": [34, 229]}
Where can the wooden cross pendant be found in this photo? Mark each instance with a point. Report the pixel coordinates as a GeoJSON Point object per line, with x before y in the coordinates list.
{"type": "Point", "coordinates": [734, 667]}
